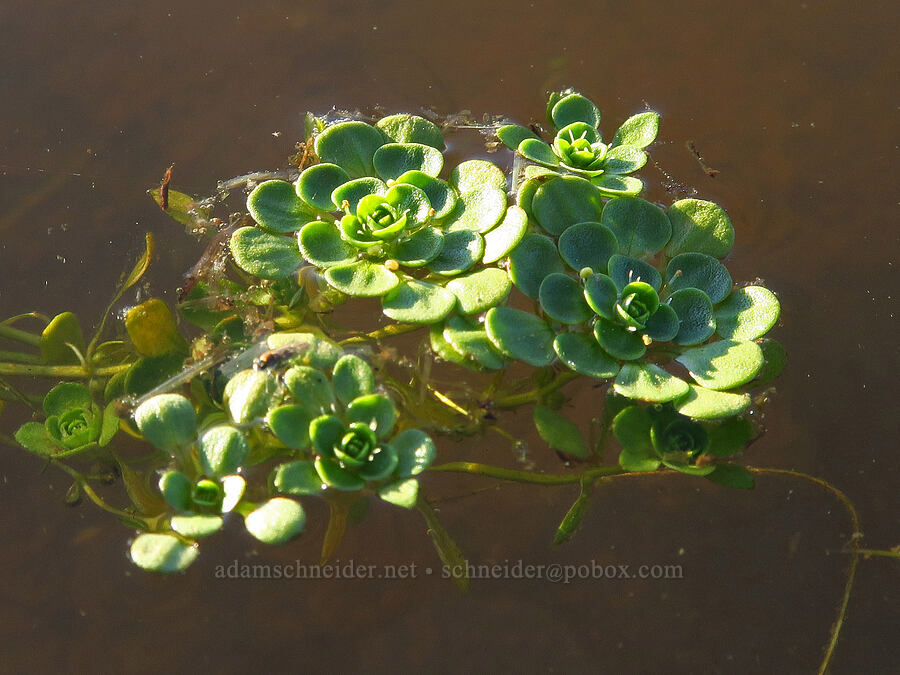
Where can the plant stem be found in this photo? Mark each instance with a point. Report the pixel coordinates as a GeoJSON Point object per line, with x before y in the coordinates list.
{"type": "Point", "coordinates": [536, 394]}
{"type": "Point", "coordinates": [97, 499]}
{"type": "Point", "coordinates": [878, 552]}
{"type": "Point", "coordinates": [20, 357]}
{"type": "Point", "coordinates": [27, 338]}
{"type": "Point", "coordinates": [517, 476]}
{"type": "Point", "coordinates": [387, 331]}
{"type": "Point", "coordinates": [77, 372]}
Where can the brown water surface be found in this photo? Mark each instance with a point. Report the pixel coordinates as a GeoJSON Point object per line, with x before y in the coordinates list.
{"type": "Point", "coordinates": [793, 102]}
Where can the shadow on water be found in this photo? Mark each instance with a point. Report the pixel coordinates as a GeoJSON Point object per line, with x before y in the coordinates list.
{"type": "Point", "coordinates": [790, 103]}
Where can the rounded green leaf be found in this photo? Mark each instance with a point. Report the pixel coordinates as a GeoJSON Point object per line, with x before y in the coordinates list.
{"type": "Point", "coordinates": [35, 438]}
{"type": "Point", "coordinates": [276, 521]}
{"type": "Point", "coordinates": [380, 464]}
{"type": "Point", "coordinates": [420, 248]}
{"type": "Point", "coordinates": [418, 302]}
{"type": "Point", "coordinates": [559, 433]}
{"type": "Point", "coordinates": [352, 378]}
{"type": "Point", "coordinates": [581, 353]}
{"type": "Point", "coordinates": [565, 201]}
{"type": "Point", "coordinates": [663, 325]}
{"type": "Point", "coordinates": [533, 259]}
{"type": "Point", "coordinates": [441, 196]}
{"type": "Point", "coordinates": [477, 209]}
{"type": "Point", "coordinates": [748, 313]}
{"type": "Point", "coordinates": [479, 291]}
{"type": "Point", "coordinates": [321, 244]}
{"type": "Point", "coordinates": [233, 488]}
{"type": "Point", "coordinates": [731, 475]}
{"type": "Point", "coordinates": [776, 360]}
{"type": "Point", "coordinates": [175, 488]}
{"type": "Point", "coordinates": [223, 449]}
{"type": "Point", "coordinates": [618, 342]}
{"type": "Point", "coordinates": [639, 130]}
{"type": "Point", "coordinates": [350, 145]}
{"type": "Point", "coordinates": [315, 351]}
{"type": "Point", "coordinates": [648, 382]}
{"type": "Point", "coordinates": [617, 185]}
{"type": "Point", "coordinates": [443, 349]}
{"type": "Point", "coordinates": [376, 411]}
{"type": "Point", "coordinates": [297, 478]}
{"type": "Point", "coordinates": [624, 159]}
{"type": "Point", "coordinates": [641, 228]}
{"type": "Point", "coordinates": [631, 427]}
{"type": "Point", "coordinates": [575, 108]}
{"type": "Point", "coordinates": [196, 526]}
{"type": "Point", "coordinates": [703, 403]}
{"type": "Point", "coordinates": [511, 135]}
{"type": "Point", "coordinates": [587, 245]}
{"type": "Point", "coordinates": [336, 476]}
{"type": "Point", "coordinates": [62, 331]}
{"type": "Point", "coordinates": [476, 174]}
{"type": "Point", "coordinates": [310, 387]}
{"type": "Point", "coordinates": [601, 294]}
{"type": "Point", "coordinates": [562, 299]}
{"type": "Point", "coordinates": [290, 424]}
{"type": "Point", "coordinates": [353, 191]}
{"type": "Point", "coordinates": [696, 322]}
{"type": "Point", "coordinates": [409, 198]}
{"type": "Point", "coordinates": [392, 160]}
{"type": "Point", "coordinates": [700, 226]}
{"type": "Point", "coordinates": [317, 183]}
{"type": "Point", "coordinates": [167, 421]}
{"type": "Point", "coordinates": [67, 396]}
{"type": "Point", "coordinates": [249, 394]}
{"type": "Point", "coordinates": [264, 255]}
{"type": "Point", "coordinates": [730, 436]}
{"type": "Point", "coordinates": [163, 553]}
{"type": "Point", "coordinates": [724, 364]}
{"type": "Point", "coordinates": [502, 239]}
{"type": "Point", "coordinates": [325, 433]}
{"type": "Point", "coordinates": [624, 270]}
{"type": "Point", "coordinates": [537, 151]}
{"type": "Point", "coordinates": [520, 335]}
{"type": "Point", "coordinates": [698, 270]}
{"type": "Point", "coordinates": [461, 250]}
{"type": "Point", "coordinates": [274, 204]}
{"type": "Point", "coordinates": [402, 493]}
{"type": "Point", "coordinates": [363, 279]}
{"type": "Point", "coordinates": [406, 128]}
{"type": "Point", "coordinates": [471, 341]}
{"type": "Point", "coordinates": [415, 452]}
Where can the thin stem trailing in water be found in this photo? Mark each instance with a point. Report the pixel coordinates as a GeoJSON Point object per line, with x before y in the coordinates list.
{"type": "Point", "coordinates": [536, 394]}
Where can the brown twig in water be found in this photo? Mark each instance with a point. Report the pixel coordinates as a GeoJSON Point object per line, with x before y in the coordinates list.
{"type": "Point", "coordinates": [707, 169]}
{"type": "Point", "coordinates": [164, 189]}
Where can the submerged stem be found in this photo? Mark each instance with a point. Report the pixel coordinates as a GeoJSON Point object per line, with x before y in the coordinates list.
{"type": "Point", "coordinates": [387, 331]}
{"type": "Point", "coordinates": [97, 499]}
{"type": "Point", "coordinates": [23, 336]}
{"type": "Point", "coordinates": [527, 476]}
{"type": "Point", "coordinates": [537, 394]}
{"type": "Point", "coordinates": [76, 372]}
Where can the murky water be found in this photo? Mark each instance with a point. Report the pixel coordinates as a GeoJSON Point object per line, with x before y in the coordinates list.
{"type": "Point", "coordinates": [794, 104]}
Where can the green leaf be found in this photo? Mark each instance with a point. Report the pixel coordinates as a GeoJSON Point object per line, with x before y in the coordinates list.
{"type": "Point", "coordinates": [176, 490]}
{"type": "Point", "coordinates": [624, 159]}
{"type": "Point", "coordinates": [476, 174]}
{"type": "Point", "coordinates": [520, 335]}
{"type": "Point", "coordinates": [724, 364]}
{"type": "Point", "coordinates": [479, 291]}
{"type": "Point", "coordinates": [533, 259]}
{"type": "Point", "coordinates": [353, 191]}
{"type": "Point", "coordinates": [163, 553]}
{"type": "Point", "coordinates": [471, 341]}
{"type": "Point", "coordinates": [641, 228]}
{"type": "Point", "coordinates": [730, 436]}
{"type": "Point", "coordinates": [461, 251]}
{"type": "Point", "coordinates": [418, 302]}
{"type": "Point", "coordinates": [631, 427]}
{"type": "Point", "coordinates": [748, 313]}
{"type": "Point", "coordinates": [420, 248]}
{"type": "Point", "coordinates": [380, 464]}
{"type": "Point", "coordinates": [406, 128]}
{"type": "Point", "coordinates": [223, 449]}
{"type": "Point", "coordinates": [731, 475]}
{"type": "Point", "coordinates": [152, 329]}
{"type": "Point", "coordinates": [264, 255]}
{"type": "Point", "coordinates": [663, 325]}
{"type": "Point", "coordinates": [649, 382]}
{"type": "Point", "coordinates": [167, 421]}
{"type": "Point", "coordinates": [506, 236]}
{"type": "Point", "coordinates": [392, 160]}
{"type": "Point", "coordinates": [316, 352]}
{"type": "Point", "coordinates": [699, 226]}
{"type": "Point", "coordinates": [581, 353]}
{"type": "Point", "coordinates": [62, 331]}
{"type": "Point", "coordinates": [511, 135]}
{"type": "Point", "coordinates": [575, 108]}
{"type": "Point", "coordinates": [477, 210]}
{"type": "Point", "coordinates": [67, 396]}
{"type": "Point", "coordinates": [233, 488]}
{"type": "Point", "coordinates": [35, 438]}
{"type": "Point", "coordinates": [624, 270]}
{"type": "Point", "coordinates": [325, 433]}
{"type": "Point", "coordinates": [701, 271]}
{"type": "Point", "coordinates": [559, 433]}
{"type": "Point", "coordinates": [443, 349]}
{"type": "Point", "coordinates": [276, 521]}
{"type": "Point", "coordinates": [415, 452]}
{"type": "Point", "coordinates": [403, 493]}
{"type": "Point", "coordinates": [249, 395]}
{"type": "Point", "coordinates": [601, 294]}
{"type": "Point", "coordinates": [565, 201]}
{"type": "Point", "coordinates": [109, 426]}
{"type": "Point", "coordinates": [352, 378]}
{"type": "Point", "coordinates": [321, 244]}
{"type": "Point", "coordinates": [297, 479]}
{"type": "Point", "coordinates": [336, 476]}
{"type": "Point", "coordinates": [572, 520]}
{"type": "Point", "coordinates": [440, 195]}
{"type": "Point", "coordinates": [196, 526]}
{"type": "Point", "coordinates": [639, 130]}
{"type": "Point", "coordinates": [364, 279]}
{"type": "Point", "coordinates": [587, 245]}
{"type": "Point", "coordinates": [310, 388]}
{"type": "Point", "coordinates": [776, 359]}
{"type": "Point", "coordinates": [618, 342]}
{"type": "Point", "coordinates": [562, 299]}
{"type": "Point", "coordinates": [274, 204]}
{"type": "Point", "coordinates": [182, 208]}
{"type": "Point", "coordinates": [616, 185]}
{"type": "Point", "coordinates": [695, 316]}
{"type": "Point", "coordinates": [537, 151]}
{"type": "Point", "coordinates": [317, 183]}
{"type": "Point", "coordinates": [290, 424]}
{"type": "Point", "coordinates": [703, 403]}
{"type": "Point", "coordinates": [350, 145]}
{"type": "Point", "coordinates": [374, 410]}
{"type": "Point", "coordinates": [151, 371]}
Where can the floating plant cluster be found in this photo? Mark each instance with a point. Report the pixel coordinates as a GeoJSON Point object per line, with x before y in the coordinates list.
{"type": "Point", "coordinates": [556, 264]}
